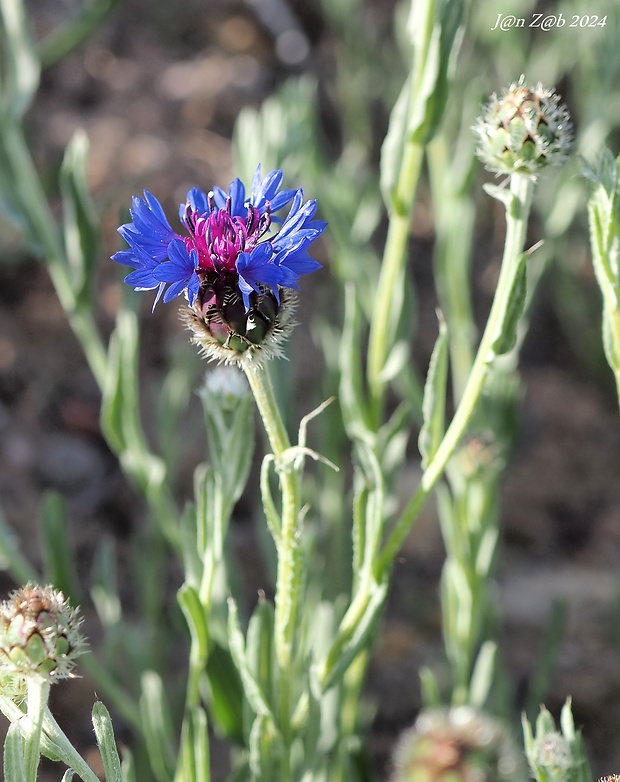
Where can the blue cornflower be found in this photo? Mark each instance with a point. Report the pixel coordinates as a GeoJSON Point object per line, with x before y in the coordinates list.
{"type": "Point", "coordinates": [235, 260]}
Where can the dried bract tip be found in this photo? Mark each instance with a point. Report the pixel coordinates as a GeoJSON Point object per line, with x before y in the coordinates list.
{"type": "Point", "coordinates": [524, 132]}
{"type": "Point", "coordinates": [39, 634]}
{"type": "Point", "coordinates": [458, 744]}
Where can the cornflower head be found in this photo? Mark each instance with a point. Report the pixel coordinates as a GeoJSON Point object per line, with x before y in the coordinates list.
{"type": "Point", "coordinates": [524, 131]}
{"type": "Point", "coordinates": [456, 745]}
{"type": "Point", "coordinates": [237, 263]}
{"type": "Point", "coordinates": [39, 634]}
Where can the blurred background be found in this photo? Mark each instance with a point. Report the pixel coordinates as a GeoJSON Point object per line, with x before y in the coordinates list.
{"type": "Point", "coordinates": [159, 89]}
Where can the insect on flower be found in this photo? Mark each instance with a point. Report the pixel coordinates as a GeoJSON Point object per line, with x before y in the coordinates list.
{"type": "Point", "coordinates": [237, 263]}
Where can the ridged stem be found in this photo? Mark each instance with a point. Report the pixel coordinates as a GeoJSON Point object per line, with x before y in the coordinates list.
{"type": "Point", "coordinates": [516, 226]}
{"type": "Point", "coordinates": [288, 582]}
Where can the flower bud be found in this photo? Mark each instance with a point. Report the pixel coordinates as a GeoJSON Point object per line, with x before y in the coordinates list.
{"type": "Point", "coordinates": [227, 333]}
{"type": "Point", "coordinates": [39, 633]}
{"type": "Point", "coordinates": [524, 131]}
{"type": "Point", "coordinates": [456, 745]}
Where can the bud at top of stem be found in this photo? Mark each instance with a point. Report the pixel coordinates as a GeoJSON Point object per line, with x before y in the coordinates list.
{"type": "Point", "coordinates": [39, 633]}
{"type": "Point", "coordinates": [524, 131]}
{"type": "Point", "coordinates": [459, 745]}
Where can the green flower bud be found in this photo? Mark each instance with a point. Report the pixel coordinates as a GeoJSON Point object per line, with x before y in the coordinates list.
{"type": "Point", "coordinates": [524, 131]}
{"type": "Point", "coordinates": [553, 753]}
{"type": "Point", "coordinates": [228, 334]}
{"type": "Point", "coordinates": [39, 634]}
{"type": "Point", "coordinates": [456, 745]}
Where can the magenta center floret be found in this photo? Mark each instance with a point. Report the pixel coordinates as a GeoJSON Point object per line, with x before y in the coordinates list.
{"type": "Point", "coordinates": [229, 257]}
{"type": "Point", "coordinates": [220, 237]}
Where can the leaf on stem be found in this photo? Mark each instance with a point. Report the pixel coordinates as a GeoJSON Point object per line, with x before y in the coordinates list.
{"type": "Point", "coordinates": [81, 232]}
{"type": "Point", "coordinates": [21, 68]}
{"type": "Point", "coordinates": [58, 553]}
{"type": "Point", "coordinates": [253, 691]}
{"type": "Point", "coordinates": [157, 723]}
{"type": "Point", "coordinates": [434, 401]}
{"type": "Point", "coordinates": [195, 747]}
{"type": "Point", "coordinates": [104, 732]}
{"type": "Point", "coordinates": [506, 334]}
{"type": "Point", "coordinates": [194, 614]}
{"type": "Point", "coordinates": [14, 748]}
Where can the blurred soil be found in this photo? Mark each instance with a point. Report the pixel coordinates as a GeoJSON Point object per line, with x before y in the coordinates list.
{"type": "Point", "coordinates": [157, 90]}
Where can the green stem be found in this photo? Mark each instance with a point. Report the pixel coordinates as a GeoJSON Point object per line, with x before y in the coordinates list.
{"type": "Point", "coordinates": [391, 287]}
{"type": "Point", "coordinates": [288, 582]}
{"type": "Point", "coordinates": [32, 723]}
{"type": "Point", "coordinates": [516, 226]}
{"type": "Point", "coordinates": [65, 750]}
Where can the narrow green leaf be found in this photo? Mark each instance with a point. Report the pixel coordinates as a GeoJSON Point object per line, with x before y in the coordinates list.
{"type": "Point", "coordinates": [112, 402]}
{"type": "Point", "coordinates": [104, 732]}
{"type": "Point", "coordinates": [265, 748]}
{"type": "Point", "coordinates": [253, 691]}
{"type": "Point", "coordinates": [352, 394]}
{"type": "Point", "coordinates": [68, 775]}
{"type": "Point", "coordinates": [393, 147]}
{"type": "Point", "coordinates": [195, 747]}
{"type": "Point", "coordinates": [434, 400]}
{"type": "Point", "coordinates": [259, 646]}
{"type": "Point", "coordinates": [482, 675]}
{"type": "Point", "coordinates": [271, 514]}
{"type": "Point", "coordinates": [21, 65]}
{"type": "Point", "coordinates": [81, 233]}
{"type": "Point", "coordinates": [158, 730]}
{"type": "Point", "coordinates": [77, 27]}
{"type": "Point", "coordinates": [506, 335]}
{"type": "Point", "coordinates": [128, 766]}
{"type": "Point", "coordinates": [11, 558]}
{"type": "Point", "coordinates": [14, 748]}
{"type": "Point", "coordinates": [350, 642]}
{"type": "Point", "coordinates": [431, 693]}
{"type": "Point", "coordinates": [438, 31]}
{"type": "Point", "coordinates": [501, 194]}
{"type": "Point", "coordinates": [58, 554]}
{"type": "Point", "coordinates": [104, 580]}
{"type": "Point", "coordinates": [226, 695]}
{"type": "Point", "coordinates": [194, 613]}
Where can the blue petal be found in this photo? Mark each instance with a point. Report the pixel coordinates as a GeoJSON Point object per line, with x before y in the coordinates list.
{"type": "Point", "coordinates": [149, 232]}
{"type": "Point", "coordinates": [266, 190]}
{"type": "Point", "coordinates": [198, 200]}
{"type": "Point", "coordinates": [237, 199]}
{"type": "Point", "coordinates": [257, 267]}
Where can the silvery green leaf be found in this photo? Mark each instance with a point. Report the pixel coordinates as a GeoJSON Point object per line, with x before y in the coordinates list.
{"type": "Point", "coordinates": [253, 691]}
{"type": "Point", "coordinates": [434, 400]}
{"type": "Point", "coordinates": [21, 68]}
{"type": "Point", "coordinates": [482, 674]}
{"type": "Point", "coordinates": [194, 751]}
{"type": "Point", "coordinates": [58, 553]}
{"type": "Point", "coordinates": [158, 730]}
{"type": "Point", "coordinates": [104, 731]}
{"type": "Point", "coordinates": [14, 748]}
{"type": "Point", "coordinates": [194, 614]}
{"type": "Point", "coordinates": [81, 232]}
{"type": "Point", "coordinates": [506, 334]}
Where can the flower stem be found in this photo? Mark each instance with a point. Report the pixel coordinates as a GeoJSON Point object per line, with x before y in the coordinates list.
{"type": "Point", "coordinates": [287, 543]}
{"type": "Point", "coordinates": [391, 288]}
{"type": "Point", "coordinates": [32, 723]}
{"type": "Point", "coordinates": [516, 226]}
